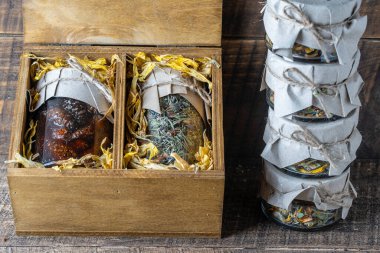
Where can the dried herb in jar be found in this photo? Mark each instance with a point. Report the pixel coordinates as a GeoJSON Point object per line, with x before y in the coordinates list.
{"type": "Point", "coordinates": [302, 215]}
{"type": "Point", "coordinates": [167, 109]}
{"type": "Point", "coordinates": [178, 129]}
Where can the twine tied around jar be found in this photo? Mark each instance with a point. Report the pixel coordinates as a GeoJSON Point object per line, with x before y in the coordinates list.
{"type": "Point", "coordinates": [294, 14]}
{"type": "Point", "coordinates": [178, 81]}
{"type": "Point", "coordinates": [102, 88]}
{"type": "Point", "coordinates": [295, 77]}
{"type": "Point", "coordinates": [340, 198]}
{"type": "Point", "coordinates": [84, 77]}
{"type": "Point", "coordinates": [305, 137]}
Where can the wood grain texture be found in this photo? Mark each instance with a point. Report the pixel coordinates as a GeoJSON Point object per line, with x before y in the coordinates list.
{"type": "Point", "coordinates": [133, 22]}
{"type": "Point", "coordinates": [245, 229]}
{"type": "Point", "coordinates": [242, 19]}
{"type": "Point", "coordinates": [116, 202]}
{"type": "Point", "coordinates": [10, 17]}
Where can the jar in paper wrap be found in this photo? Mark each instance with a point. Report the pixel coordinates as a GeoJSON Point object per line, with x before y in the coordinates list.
{"type": "Point", "coordinates": [312, 92]}
{"type": "Point", "coordinates": [176, 115]}
{"type": "Point", "coordinates": [305, 204]}
{"type": "Point", "coordinates": [311, 149]}
{"type": "Point", "coordinates": [70, 117]}
{"type": "Point", "coordinates": [316, 31]}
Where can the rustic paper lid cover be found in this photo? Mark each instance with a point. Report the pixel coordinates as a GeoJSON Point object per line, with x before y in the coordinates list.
{"type": "Point", "coordinates": [132, 22]}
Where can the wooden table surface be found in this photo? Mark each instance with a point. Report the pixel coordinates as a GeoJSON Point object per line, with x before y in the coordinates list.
{"type": "Point", "coordinates": [244, 227]}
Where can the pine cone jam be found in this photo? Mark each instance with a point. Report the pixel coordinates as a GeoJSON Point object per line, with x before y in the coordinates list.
{"type": "Point", "coordinates": [68, 128]}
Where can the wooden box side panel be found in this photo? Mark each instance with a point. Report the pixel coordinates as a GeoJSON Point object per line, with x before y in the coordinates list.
{"type": "Point", "coordinates": [132, 22]}
{"type": "Point", "coordinates": [20, 110]}
{"type": "Point", "coordinates": [52, 203]}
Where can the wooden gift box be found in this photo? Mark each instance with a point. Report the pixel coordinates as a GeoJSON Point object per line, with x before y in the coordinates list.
{"type": "Point", "coordinates": [118, 201]}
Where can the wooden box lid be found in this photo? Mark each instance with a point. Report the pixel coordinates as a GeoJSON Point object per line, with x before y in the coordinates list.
{"type": "Point", "coordinates": [123, 22]}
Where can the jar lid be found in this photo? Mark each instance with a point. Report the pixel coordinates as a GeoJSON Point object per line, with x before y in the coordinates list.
{"type": "Point", "coordinates": [291, 141]}
{"type": "Point", "coordinates": [71, 83]}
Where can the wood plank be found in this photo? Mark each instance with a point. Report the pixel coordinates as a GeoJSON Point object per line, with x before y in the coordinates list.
{"type": "Point", "coordinates": [242, 19]}
{"type": "Point", "coordinates": [10, 17]}
{"type": "Point", "coordinates": [115, 204]}
{"type": "Point", "coordinates": [143, 22]}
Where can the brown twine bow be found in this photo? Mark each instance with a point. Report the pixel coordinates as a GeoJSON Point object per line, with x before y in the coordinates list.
{"type": "Point", "coordinates": [338, 199]}
{"type": "Point", "coordinates": [305, 137]}
{"type": "Point", "coordinates": [294, 14]}
{"type": "Point", "coordinates": [202, 93]}
{"type": "Point", "coordinates": [318, 90]}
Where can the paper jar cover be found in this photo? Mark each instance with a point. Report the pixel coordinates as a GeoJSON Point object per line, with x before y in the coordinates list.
{"type": "Point", "coordinates": [279, 189]}
{"type": "Point", "coordinates": [71, 83]}
{"type": "Point", "coordinates": [316, 24]}
{"type": "Point", "coordinates": [298, 86]}
{"type": "Point", "coordinates": [290, 141]}
{"type": "Point", "coordinates": [166, 81]}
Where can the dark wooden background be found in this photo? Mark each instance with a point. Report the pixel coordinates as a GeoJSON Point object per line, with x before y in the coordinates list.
{"type": "Point", "coordinates": [244, 227]}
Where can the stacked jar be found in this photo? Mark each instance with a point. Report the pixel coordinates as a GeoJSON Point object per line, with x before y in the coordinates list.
{"type": "Point", "coordinates": [312, 88]}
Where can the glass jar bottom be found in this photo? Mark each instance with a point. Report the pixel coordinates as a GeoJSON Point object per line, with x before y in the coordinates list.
{"type": "Point", "coordinates": [302, 216]}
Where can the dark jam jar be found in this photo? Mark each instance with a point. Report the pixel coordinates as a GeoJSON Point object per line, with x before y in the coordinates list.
{"type": "Point", "coordinates": [178, 129]}
{"type": "Point", "coordinates": [310, 114]}
{"type": "Point", "coordinates": [69, 128]}
{"type": "Point", "coordinates": [302, 53]}
{"type": "Point", "coordinates": [302, 215]}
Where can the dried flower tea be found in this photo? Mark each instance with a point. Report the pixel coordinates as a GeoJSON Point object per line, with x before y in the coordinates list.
{"type": "Point", "coordinates": [302, 215]}
{"type": "Point", "coordinates": [311, 113]}
{"type": "Point", "coordinates": [178, 129]}
{"type": "Point", "coordinates": [302, 53]}
{"type": "Point", "coordinates": [309, 168]}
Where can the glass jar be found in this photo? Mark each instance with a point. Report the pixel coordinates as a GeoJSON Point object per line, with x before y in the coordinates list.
{"type": "Point", "coordinates": [69, 128]}
{"type": "Point", "coordinates": [178, 129]}
{"type": "Point", "coordinates": [310, 114]}
{"type": "Point", "coordinates": [302, 53]}
{"type": "Point", "coordinates": [308, 168]}
{"type": "Point", "coordinates": [302, 215]}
